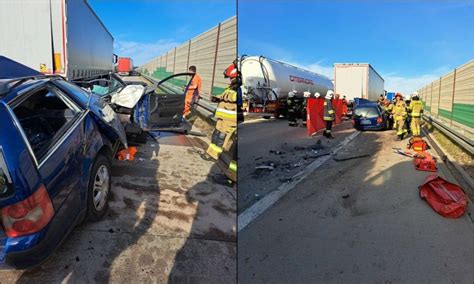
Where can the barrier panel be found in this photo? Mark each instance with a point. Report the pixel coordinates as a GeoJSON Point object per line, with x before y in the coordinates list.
{"type": "Point", "coordinates": [337, 105]}
{"type": "Point", "coordinates": [315, 113]}
{"type": "Point", "coordinates": [211, 52]}
{"type": "Point", "coordinates": [450, 99]}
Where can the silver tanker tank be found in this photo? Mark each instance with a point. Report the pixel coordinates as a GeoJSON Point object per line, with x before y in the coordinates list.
{"type": "Point", "coordinates": [268, 80]}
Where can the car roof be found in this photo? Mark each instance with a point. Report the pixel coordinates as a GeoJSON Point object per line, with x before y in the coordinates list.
{"type": "Point", "coordinates": [14, 91]}
{"type": "Point", "coordinates": [371, 104]}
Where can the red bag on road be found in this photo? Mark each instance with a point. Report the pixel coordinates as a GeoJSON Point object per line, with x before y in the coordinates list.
{"type": "Point", "coordinates": [425, 163]}
{"type": "Point", "coordinates": [446, 198]}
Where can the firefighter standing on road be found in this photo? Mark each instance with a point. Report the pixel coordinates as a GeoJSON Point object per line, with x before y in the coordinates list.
{"type": "Point", "coordinates": [223, 145]}
{"type": "Point", "coordinates": [328, 114]}
{"type": "Point", "coordinates": [408, 120]}
{"type": "Point", "coordinates": [193, 91]}
{"type": "Point", "coordinates": [381, 100]}
{"type": "Point", "coordinates": [388, 108]}
{"type": "Point", "coordinates": [292, 108]}
{"type": "Point", "coordinates": [416, 110]}
{"type": "Point", "coordinates": [400, 115]}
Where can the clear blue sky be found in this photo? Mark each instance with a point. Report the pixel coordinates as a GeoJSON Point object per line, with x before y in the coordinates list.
{"type": "Point", "coordinates": [409, 42]}
{"type": "Point", "coordinates": [146, 29]}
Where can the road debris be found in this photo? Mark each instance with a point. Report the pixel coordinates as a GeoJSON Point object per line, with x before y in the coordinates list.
{"type": "Point", "coordinates": [346, 196]}
{"type": "Point", "coordinates": [315, 156]}
{"type": "Point", "coordinates": [351, 158]}
{"type": "Point", "coordinates": [286, 180]}
{"type": "Point", "coordinates": [271, 168]}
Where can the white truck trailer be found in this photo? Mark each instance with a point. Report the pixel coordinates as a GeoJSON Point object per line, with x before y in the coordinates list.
{"type": "Point", "coordinates": [267, 82]}
{"type": "Point", "coordinates": [56, 37]}
{"type": "Point", "coordinates": [357, 80]}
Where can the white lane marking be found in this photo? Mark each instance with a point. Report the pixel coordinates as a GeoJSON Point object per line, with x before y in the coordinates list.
{"type": "Point", "coordinates": [251, 213]}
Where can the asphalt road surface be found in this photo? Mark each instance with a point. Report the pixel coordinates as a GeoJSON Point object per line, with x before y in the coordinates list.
{"type": "Point", "coordinates": [287, 149]}
{"type": "Point", "coordinates": [172, 217]}
{"type": "Point", "coordinates": [358, 221]}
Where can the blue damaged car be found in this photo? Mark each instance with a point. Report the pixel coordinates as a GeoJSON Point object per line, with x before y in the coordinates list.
{"type": "Point", "coordinates": [57, 143]}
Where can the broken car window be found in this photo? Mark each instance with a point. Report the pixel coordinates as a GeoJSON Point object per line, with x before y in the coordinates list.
{"type": "Point", "coordinates": [44, 117]}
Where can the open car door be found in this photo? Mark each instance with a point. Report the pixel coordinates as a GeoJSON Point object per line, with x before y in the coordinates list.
{"type": "Point", "coordinates": [163, 108]}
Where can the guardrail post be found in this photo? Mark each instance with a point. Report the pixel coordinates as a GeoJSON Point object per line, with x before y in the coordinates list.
{"type": "Point", "coordinates": [215, 58]}
{"type": "Point", "coordinates": [452, 98]}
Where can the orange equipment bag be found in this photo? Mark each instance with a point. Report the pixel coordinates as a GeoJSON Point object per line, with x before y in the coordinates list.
{"type": "Point", "coordinates": [425, 162]}
{"type": "Point", "coordinates": [127, 154]}
{"type": "Point", "coordinates": [447, 199]}
{"type": "Point", "coordinates": [417, 144]}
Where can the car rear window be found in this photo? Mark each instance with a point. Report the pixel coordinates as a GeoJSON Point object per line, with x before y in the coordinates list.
{"type": "Point", "coordinates": [44, 115]}
{"type": "Point", "coordinates": [367, 111]}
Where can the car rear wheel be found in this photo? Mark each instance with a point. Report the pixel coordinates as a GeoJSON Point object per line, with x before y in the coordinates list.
{"type": "Point", "coordinates": [99, 189]}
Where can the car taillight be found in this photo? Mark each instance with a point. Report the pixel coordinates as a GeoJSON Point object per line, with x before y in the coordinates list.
{"type": "Point", "coordinates": [28, 216]}
{"type": "Point", "coordinates": [379, 120]}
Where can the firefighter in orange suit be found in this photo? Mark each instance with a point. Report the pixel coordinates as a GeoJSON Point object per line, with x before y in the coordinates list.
{"type": "Point", "coordinates": [193, 91]}
{"type": "Point", "coordinates": [329, 114]}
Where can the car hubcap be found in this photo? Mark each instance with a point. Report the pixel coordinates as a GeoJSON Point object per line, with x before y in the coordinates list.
{"type": "Point", "coordinates": [101, 187]}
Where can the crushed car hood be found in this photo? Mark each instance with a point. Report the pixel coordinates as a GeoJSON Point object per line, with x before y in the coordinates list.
{"type": "Point", "coordinates": [129, 96]}
{"type": "Point", "coordinates": [107, 119]}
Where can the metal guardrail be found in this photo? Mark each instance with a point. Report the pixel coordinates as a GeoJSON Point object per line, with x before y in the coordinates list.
{"type": "Point", "coordinates": [462, 140]}
{"type": "Point", "coordinates": [202, 106]}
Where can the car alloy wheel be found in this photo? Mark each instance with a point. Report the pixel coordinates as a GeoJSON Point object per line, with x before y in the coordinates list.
{"type": "Point", "coordinates": [101, 187]}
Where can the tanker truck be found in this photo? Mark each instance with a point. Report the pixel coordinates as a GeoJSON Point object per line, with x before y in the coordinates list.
{"type": "Point", "coordinates": [267, 82]}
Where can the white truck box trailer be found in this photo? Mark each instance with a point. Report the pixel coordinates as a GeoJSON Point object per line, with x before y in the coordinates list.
{"type": "Point", "coordinates": [56, 37]}
{"type": "Point", "coordinates": [357, 80]}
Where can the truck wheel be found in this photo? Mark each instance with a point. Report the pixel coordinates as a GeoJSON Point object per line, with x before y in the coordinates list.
{"type": "Point", "coordinates": [98, 189]}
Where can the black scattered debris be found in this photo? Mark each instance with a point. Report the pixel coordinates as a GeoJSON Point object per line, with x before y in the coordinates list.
{"type": "Point", "coordinates": [346, 196]}
{"type": "Point", "coordinates": [315, 156]}
{"type": "Point", "coordinates": [258, 158]}
{"type": "Point", "coordinates": [299, 148]}
{"type": "Point", "coordinates": [111, 230]}
{"type": "Point", "coordinates": [351, 158]}
{"type": "Point", "coordinates": [77, 259]}
{"type": "Point", "coordinates": [90, 248]}
{"type": "Point", "coordinates": [286, 179]}
{"type": "Point", "coordinates": [276, 152]}
{"type": "Point", "coordinates": [66, 266]}
{"type": "Point", "coordinates": [271, 168]}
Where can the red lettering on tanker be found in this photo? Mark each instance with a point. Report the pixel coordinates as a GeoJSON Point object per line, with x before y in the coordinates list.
{"type": "Point", "coordinates": [301, 80]}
